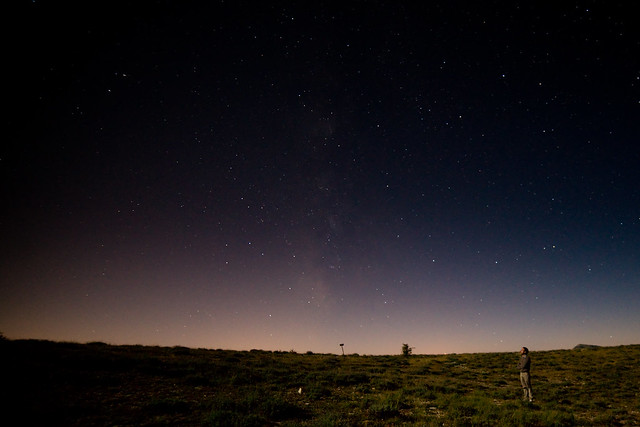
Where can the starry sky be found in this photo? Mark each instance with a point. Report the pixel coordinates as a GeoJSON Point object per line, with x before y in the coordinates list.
{"type": "Point", "coordinates": [458, 176]}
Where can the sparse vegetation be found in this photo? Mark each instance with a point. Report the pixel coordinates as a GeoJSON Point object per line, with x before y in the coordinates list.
{"type": "Point", "coordinates": [46, 383]}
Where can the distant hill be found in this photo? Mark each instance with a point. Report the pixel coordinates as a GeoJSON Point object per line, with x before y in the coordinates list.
{"type": "Point", "coordinates": [585, 346]}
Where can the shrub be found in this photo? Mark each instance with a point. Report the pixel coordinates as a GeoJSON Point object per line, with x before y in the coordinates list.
{"type": "Point", "coordinates": [557, 418]}
{"type": "Point", "coordinates": [316, 391]}
{"type": "Point", "coordinates": [276, 408]}
{"type": "Point", "coordinates": [351, 379]}
{"type": "Point", "coordinates": [520, 417]}
{"type": "Point", "coordinates": [388, 381]}
{"type": "Point", "coordinates": [330, 420]}
{"type": "Point", "coordinates": [387, 405]}
{"type": "Point", "coordinates": [406, 350]}
{"type": "Point", "coordinates": [255, 408]}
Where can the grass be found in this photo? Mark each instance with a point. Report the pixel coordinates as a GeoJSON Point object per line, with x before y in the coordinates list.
{"type": "Point", "coordinates": [48, 383]}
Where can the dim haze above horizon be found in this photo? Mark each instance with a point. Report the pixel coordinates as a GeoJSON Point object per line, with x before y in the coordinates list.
{"type": "Point", "coordinates": [457, 176]}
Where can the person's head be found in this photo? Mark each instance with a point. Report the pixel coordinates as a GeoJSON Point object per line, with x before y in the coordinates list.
{"type": "Point", "coordinates": [524, 350]}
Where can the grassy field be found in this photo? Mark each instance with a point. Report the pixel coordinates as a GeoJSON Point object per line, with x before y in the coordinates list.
{"type": "Point", "coordinates": [47, 383]}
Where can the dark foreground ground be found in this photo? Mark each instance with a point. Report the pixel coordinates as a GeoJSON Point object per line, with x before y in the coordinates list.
{"type": "Point", "coordinates": [67, 384]}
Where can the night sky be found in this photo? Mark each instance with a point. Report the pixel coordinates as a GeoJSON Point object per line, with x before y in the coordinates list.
{"type": "Point", "coordinates": [458, 176]}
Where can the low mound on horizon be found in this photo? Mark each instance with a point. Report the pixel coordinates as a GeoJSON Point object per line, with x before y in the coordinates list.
{"type": "Point", "coordinates": [586, 346]}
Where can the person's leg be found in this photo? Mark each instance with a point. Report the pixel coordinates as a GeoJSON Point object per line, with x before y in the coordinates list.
{"type": "Point", "coordinates": [526, 384]}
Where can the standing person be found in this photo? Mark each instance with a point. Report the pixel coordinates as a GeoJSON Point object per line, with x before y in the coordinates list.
{"type": "Point", "coordinates": [525, 376]}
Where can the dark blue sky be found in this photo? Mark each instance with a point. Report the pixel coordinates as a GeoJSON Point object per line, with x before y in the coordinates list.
{"type": "Point", "coordinates": [459, 176]}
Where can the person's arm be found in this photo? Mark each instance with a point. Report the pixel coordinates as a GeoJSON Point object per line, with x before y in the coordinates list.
{"type": "Point", "coordinates": [527, 362]}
